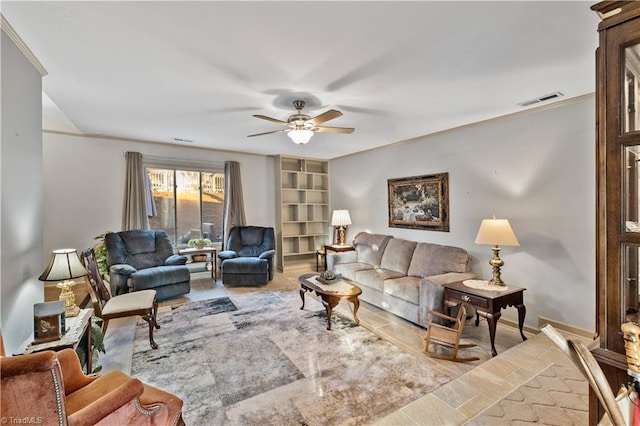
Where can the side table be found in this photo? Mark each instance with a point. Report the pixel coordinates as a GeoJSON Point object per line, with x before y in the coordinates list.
{"type": "Point", "coordinates": [334, 248]}
{"type": "Point", "coordinates": [76, 327]}
{"type": "Point", "coordinates": [211, 251]}
{"type": "Point", "coordinates": [487, 303]}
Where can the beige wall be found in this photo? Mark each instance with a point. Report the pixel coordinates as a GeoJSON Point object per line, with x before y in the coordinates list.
{"type": "Point", "coordinates": [21, 258]}
{"type": "Point", "coordinates": [84, 185]}
{"type": "Point", "coordinates": [536, 169]}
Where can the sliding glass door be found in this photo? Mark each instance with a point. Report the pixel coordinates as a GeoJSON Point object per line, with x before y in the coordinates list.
{"type": "Point", "coordinates": [188, 203]}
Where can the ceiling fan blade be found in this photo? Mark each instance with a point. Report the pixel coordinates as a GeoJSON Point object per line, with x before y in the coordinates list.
{"type": "Point", "coordinates": [325, 116]}
{"type": "Point", "coordinates": [344, 130]}
{"type": "Point", "coordinates": [268, 133]}
{"type": "Point", "coordinates": [275, 120]}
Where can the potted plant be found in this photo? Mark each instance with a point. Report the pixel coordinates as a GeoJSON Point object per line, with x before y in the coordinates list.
{"type": "Point", "coordinates": [97, 345]}
{"type": "Point", "coordinates": [199, 242]}
{"type": "Point", "coordinates": [100, 250]}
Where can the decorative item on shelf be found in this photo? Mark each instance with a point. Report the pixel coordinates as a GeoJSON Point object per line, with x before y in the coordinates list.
{"type": "Point", "coordinates": [496, 232]}
{"type": "Point", "coordinates": [631, 334]}
{"type": "Point", "coordinates": [198, 258]}
{"type": "Point", "coordinates": [329, 277]}
{"type": "Point", "coordinates": [199, 242]}
{"type": "Point", "coordinates": [341, 219]}
{"type": "Point", "coordinates": [48, 321]}
{"type": "Point", "coordinates": [64, 266]}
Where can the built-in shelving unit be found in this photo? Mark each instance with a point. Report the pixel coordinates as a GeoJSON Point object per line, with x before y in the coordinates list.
{"type": "Point", "coordinates": [302, 203]}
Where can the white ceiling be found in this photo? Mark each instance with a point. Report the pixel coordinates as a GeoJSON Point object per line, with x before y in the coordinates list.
{"type": "Point", "coordinates": [397, 70]}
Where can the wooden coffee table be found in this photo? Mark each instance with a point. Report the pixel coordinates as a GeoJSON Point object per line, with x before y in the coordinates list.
{"type": "Point", "coordinates": [331, 294]}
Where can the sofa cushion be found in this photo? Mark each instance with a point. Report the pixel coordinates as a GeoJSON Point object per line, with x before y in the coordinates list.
{"type": "Point", "coordinates": [139, 241]}
{"type": "Point", "coordinates": [245, 265]}
{"type": "Point", "coordinates": [348, 270]}
{"type": "Point", "coordinates": [434, 259]}
{"type": "Point", "coordinates": [158, 276]}
{"type": "Point", "coordinates": [374, 278]}
{"type": "Point", "coordinates": [404, 288]}
{"type": "Point", "coordinates": [370, 247]}
{"type": "Point", "coordinates": [397, 255]}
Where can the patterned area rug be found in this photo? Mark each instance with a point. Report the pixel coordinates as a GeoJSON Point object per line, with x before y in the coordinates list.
{"type": "Point", "coordinates": [258, 359]}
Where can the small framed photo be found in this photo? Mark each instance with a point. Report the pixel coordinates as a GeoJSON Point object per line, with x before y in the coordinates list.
{"type": "Point", "coordinates": [48, 321]}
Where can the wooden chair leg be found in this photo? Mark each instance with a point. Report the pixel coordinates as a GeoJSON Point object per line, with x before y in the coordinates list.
{"type": "Point", "coordinates": [155, 314]}
{"type": "Point", "coordinates": [105, 324]}
{"type": "Point", "coordinates": [151, 321]}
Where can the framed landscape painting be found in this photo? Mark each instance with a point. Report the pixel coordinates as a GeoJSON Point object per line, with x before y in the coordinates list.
{"type": "Point", "coordinates": [419, 202]}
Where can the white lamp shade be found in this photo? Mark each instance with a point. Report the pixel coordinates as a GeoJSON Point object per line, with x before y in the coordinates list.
{"type": "Point", "coordinates": [340, 218]}
{"type": "Point", "coordinates": [300, 136]}
{"type": "Point", "coordinates": [63, 265]}
{"type": "Point", "coordinates": [496, 232]}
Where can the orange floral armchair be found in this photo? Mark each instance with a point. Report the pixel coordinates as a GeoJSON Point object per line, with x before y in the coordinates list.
{"type": "Point", "coordinates": [50, 388]}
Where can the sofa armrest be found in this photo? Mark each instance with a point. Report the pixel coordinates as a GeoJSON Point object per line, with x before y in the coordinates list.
{"type": "Point", "coordinates": [432, 292]}
{"type": "Point", "coordinates": [122, 269]}
{"type": "Point", "coordinates": [175, 259]}
{"type": "Point", "coordinates": [227, 254]}
{"type": "Point", "coordinates": [119, 278]}
{"type": "Point", "coordinates": [267, 254]}
{"type": "Point", "coordinates": [342, 257]}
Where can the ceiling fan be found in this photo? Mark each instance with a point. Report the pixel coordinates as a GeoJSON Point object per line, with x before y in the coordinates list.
{"type": "Point", "coordinates": [300, 127]}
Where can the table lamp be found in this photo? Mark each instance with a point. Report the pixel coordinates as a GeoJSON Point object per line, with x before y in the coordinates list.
{"type": "Point", "coordinates": [341, 219]}
{"type": "Point", "coordinates": [496, 232]}
{"type": "Point", "coordinates": [65, 265]}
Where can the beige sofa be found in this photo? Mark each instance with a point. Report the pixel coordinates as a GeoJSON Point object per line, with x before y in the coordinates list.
{"type": "Point", "coordinates": [403, 277]}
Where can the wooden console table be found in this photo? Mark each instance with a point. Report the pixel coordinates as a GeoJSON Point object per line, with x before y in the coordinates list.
{"type": "Point", "coordinates": [487, 303]}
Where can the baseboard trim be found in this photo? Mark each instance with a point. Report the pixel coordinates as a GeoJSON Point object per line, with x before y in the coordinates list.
{"type": "Point", "coordinates": [567, 328]}
{"type": "Point", "coordinates": [587, 334]}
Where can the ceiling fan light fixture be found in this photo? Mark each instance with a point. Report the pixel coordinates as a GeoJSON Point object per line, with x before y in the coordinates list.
{"type": "Point", "coordinates": [300, 136]}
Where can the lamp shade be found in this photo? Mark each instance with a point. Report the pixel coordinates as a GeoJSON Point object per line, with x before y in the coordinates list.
{"type": "Point", "coordinates": [300, 136]}
{"type": "Point", "coordinates": [63, 265]}
{"type": "Point", "coordinates": [340, 218]}
{"type": "Point", "coordinates": [496, 232]}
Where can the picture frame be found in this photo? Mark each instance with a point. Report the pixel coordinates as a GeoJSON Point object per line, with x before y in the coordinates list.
{"type": "Point", "coordinates": [419, 202]}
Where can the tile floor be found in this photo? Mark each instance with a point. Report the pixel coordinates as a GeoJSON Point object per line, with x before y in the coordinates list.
{"type": "Point", "coordinates": [480, 384]}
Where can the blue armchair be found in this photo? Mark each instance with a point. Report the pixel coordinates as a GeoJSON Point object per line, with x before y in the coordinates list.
{"type": "Point", "coordinates": [144, 259]}
{"type": "Point", "coordinates": [248, 258]}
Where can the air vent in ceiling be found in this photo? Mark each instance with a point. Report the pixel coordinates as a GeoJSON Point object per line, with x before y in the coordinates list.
{"type": "Point", "coordinates": [540, 99]}
{"type": "Point", "coordinates": [182, 140]}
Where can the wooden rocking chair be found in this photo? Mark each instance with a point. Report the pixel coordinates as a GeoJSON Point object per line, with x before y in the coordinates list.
{"type": "Point", "coordinates": [448, 337]}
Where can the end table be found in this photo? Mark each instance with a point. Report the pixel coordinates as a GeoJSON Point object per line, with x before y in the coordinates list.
{"type": "Point", "coordinates": [488, 304]}
{"type": "Point", "coordinates": [334, 248]}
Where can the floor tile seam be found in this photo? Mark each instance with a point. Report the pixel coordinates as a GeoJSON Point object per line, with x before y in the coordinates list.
{"type": "Point", "coordinates": [515, 389]}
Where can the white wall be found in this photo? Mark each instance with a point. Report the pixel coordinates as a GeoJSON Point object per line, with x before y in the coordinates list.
{"type": "Point", "coordinates": [536, 169]}
{"type": "Point", "coordinates": [21, 260]}
{"type": "Point", "coordinates": [84, 185]}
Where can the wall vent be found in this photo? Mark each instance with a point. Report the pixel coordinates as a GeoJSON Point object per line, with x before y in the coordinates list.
{"type": "Point", "coordinates": [182, 140]}
{"type": "Point", "coordinates": [540, 99]}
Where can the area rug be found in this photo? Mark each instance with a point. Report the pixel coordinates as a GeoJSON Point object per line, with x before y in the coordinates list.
{"type": "Point", "coordinates": [257, 358]}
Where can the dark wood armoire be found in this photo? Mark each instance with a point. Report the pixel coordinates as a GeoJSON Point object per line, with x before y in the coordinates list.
{"type": "Point", "coordinates": [617, 159]}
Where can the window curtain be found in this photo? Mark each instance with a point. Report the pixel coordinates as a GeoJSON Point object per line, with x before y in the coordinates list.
{"type": "Point", "coordinates": [233, 211]}
{"type": "Point", "coordinates": [134, 212]}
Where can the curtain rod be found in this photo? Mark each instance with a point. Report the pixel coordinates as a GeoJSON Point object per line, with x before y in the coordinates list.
{"type": "Point", "coordinates": [179, 161]}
